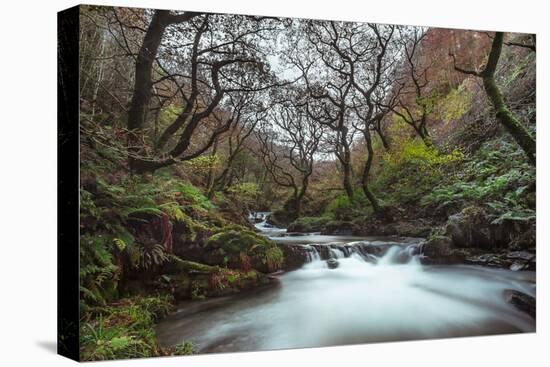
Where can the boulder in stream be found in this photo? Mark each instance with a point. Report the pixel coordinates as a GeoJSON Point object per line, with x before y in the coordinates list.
{"type": "Point", "coordinates": [332, 263]}
{"type": "Point", "coordinates": [441, 250]}
{"type": "Point", "coordinates": [522, 302]}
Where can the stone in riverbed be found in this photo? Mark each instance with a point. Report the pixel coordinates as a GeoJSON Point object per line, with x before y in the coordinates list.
{"type": "Point", "coordinates": [521, 255]}
{"type": "Point", "coordinates": [440, 250]}
{"type": "Point", "coordinates": [522, 302]}
{"type": "Point", "coordinates": [332, 263]}
{"type": "Point", "coordinates": [518, 265]}
{"type": "Point", "coordinates": [295, 256]}
{"type": "Point", "coordinates": [469, 228]}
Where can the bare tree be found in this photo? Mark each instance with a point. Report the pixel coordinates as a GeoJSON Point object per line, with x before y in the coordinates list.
{"type": "Point", "coordinates": [329, 85]}
{"type": "Point", "coordinates": [418, 106]}
{"type": "Point", "coordinates": [251, 113]}
{"type": "Point", "coordinates": [358, 63]}
{"type": "Point", "coordinates": [288, 150]}
{"type": "Point", "coordinates": [371, 86]}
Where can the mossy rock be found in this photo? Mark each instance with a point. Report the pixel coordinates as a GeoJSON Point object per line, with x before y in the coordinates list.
{"type": "Point", "coordinates": [441, 250]}
{"type": "Point", "coordinates": [412, 229]}
{"type": "Point", "coordinates": [309, 224]}
{"type": "Point", "coordinates": [340, 227]}
{"type": "Point", "coordinates": [229, 281]}
{"type": "Point", "coordinates": [191, 280]}
{"type": "Point", "coordinates": [177, 266]}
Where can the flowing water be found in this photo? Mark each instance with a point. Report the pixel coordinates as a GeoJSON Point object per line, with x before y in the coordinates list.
{"type": "Point", "coordinates": [385, 296]}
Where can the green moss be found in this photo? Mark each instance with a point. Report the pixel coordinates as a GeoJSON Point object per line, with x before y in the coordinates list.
{"type": "Point", "coordinates": [231, 281]}
{"type": "Point", "coordinates": [236, 239]}
{"type": "Point", "coordinates": [141, 212]}
{"type": "Point", "coordinates": [455, 104]}
{"type": "Point", "coordinates": [194, 196]}
{"type": "Point", "coordinates": [178, 265]}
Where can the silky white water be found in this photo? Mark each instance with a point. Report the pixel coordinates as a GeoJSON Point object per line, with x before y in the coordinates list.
{"type": "Point", "coordinates": [358, 302]}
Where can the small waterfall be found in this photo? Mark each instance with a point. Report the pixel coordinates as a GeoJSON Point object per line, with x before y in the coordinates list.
{"type": "Point", "coordinates": [313, 254]}
{"type": "Point", "coordinates": [375, 252]}
{"type": "Point", "coordinates": [337, 253]}
{"type": "Point", "coordinates": [259, 219]}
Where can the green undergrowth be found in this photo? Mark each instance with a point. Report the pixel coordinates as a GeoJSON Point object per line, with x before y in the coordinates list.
{"type": "Point", "coordinates": [125, 329]}
{"type": "Point", "coordinates": [497, 178]}
{"type": "Point", "coordinates": [406, 173]}
{"type": "Point", "coordinates": [132, 227]}
{"type": "Point", "coordinates": [241, 248]}
{"type": "Point", "coordinates": [431, 183]}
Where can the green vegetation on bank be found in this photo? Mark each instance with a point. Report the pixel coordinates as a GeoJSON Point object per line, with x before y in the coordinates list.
{"type": "Point", "coordinates": [148, 241]}
{"type": "Point", "coordinates": [125, 329]}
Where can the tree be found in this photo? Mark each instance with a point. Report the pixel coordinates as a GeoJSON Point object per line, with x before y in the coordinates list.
{"type": "Point", "coordinates": [288, 150]}
{"type": "Point", "coordinates": [372, 87]}
{"type": "Point", "coordinates": [357, 60]}
{"type": "Point", "coordinates": [205, 58]}
{"type": "Point", "coordinates": [420, 104]}
{"type": "Point", "coordinates": [328, 83]}
{"type": "Point", "coordinates": [521, 135]}
{"type": "Point", "coordinates": [141, 95]}
{"type": "Point", "coordinates": [251, 113]}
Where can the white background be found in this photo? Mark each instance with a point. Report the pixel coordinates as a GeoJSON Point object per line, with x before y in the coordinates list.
{"type": "Point", "coordinates": [28, 182]}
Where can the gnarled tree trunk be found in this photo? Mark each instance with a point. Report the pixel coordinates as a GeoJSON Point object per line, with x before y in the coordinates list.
{"type": "Point", "coordinates": [521, 135]}
{"type": "Point", "coordinates": [141, 95]}
{"type": "Point", "coordinates": [366, 171]}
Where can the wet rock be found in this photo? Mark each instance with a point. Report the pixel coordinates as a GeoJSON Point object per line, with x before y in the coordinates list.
{"type": "Point", "coordinates": [521, 255]}
{"type": "Point", "coordinates": [412, 229]}
{"type": "Point", "coordinates": [493, 260]}
{"type": "Point", "coordinates": [522, 302]}
{"type": "Point", "coordinates": [332, 263]}
{"type": "Point", "coordinates": [455, 231]}
{"type": "Point", "coordinates": [474, 228]}
{"type": "Point", "coordinates": [338, 227]}
{"type": "Point", "coordinates": [516, 261]}
{"type": "Point", "coordinates": [470, 228]}
{"type": "Point", "coordinates": [280, 218]}
{"type": "Point", "coordinates": [309, 224]}
{"type": "Point", "coordinates": [517, 265]}
{"type": "Point", "coordinates": [441, 250]}
{"type": "Point", "coordinates": [295, 256]}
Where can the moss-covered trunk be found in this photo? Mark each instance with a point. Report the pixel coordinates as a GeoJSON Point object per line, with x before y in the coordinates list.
{"type": "Point", "coordinates": [348, 188]}
{"type": "Point", "coordinates": [366, 171]}
{"type": "Point", "coordinates": [520, 134]}
{"type": "Point", "coordinates": [505, 117]}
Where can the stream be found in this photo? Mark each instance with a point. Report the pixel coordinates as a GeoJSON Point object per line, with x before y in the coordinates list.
{"type": "Point", "coordinates": [373, 289]}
